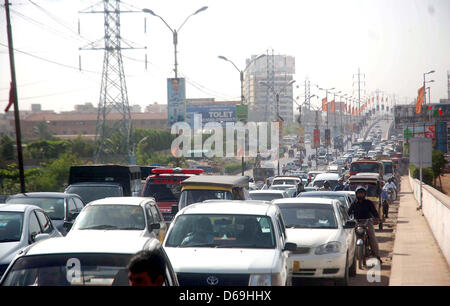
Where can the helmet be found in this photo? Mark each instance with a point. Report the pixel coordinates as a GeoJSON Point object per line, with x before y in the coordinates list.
{"type": "Point", "coordinates": [361, 188]}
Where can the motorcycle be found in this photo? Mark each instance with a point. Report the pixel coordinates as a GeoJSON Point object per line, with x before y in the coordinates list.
{"type": "Point", "coordinates": [385, 208]}
{"type": "Point", "coordinates": [362, 242]}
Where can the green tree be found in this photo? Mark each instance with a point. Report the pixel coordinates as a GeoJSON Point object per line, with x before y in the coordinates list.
{"type": "Point", "coordinates": [438, 164]}
{"type": "Point", "coordinates": [41, 131]}
{"type": "Point", "coordinates": [46, 149]}
{"type": "Point", "coordinates": [82, 148]}
{"type": "Point", "coordinates": [6, 148]}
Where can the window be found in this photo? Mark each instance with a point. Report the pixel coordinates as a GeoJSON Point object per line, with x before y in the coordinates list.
{"type": "Point", "coordinates": [72, 206]}
{"type": "Point", "coordinates": [79, 204]}
{"type": "Point", "coordinates": [45, 222]}
{"type": "Point", "coordinates": [34, 227]}
{"type": "Point", "coordinates": [155, 213]}
{"type": "Point", "coordinates": [150, 217]}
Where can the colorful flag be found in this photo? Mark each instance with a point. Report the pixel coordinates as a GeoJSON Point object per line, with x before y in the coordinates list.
{"type": "Point", "coordinates": [324, 105]}
{"type": "Point", "coordinates": [11, 98]}
{"type": "Point", "coordinates": [419, 100]}
{"type": "Point", "coordinates": [332, 106]}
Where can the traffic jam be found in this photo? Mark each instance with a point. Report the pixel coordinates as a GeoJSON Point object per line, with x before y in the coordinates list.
{"type": "Point", "coordinates": [316, 220]}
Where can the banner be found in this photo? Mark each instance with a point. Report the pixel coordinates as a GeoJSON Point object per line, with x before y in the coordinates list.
{"type": "Point", "coordinates": [176, 96]}
{"type": "Point", "coordinates": [316, 143]}
{"type": "Point", "coordinates": [324, 105]}
{"type": "Point", "coordinates": [419, 100]}
{"type": "Point", "coordinates": [327, 137]}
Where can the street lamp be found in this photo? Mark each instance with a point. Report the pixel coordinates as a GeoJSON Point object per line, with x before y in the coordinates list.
{"type": "Point", "coordinates": [174, 32]}
{"type": "Point", "coordinates": [326, 98]}
{"type": "Point", "coordinates": [424, 82]}
{"type": "Point", "coordinates": [277, 95]}
{"type": "Point", "coordinates": [241, 74]}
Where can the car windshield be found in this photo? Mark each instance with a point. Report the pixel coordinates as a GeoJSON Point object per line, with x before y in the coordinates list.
{"type": "Point", "coordinates": [10, 226]}
{"type": "Point", "coordinates": [191, 196]}
{"type": "Point", "coordinates": [222, 231]}
{"type": "Point", "coordinates": [265, 196]}
{"type": "Point", "coordinates": [69, 270]}
{"type": "Point", "coordinates": [318, 216]}
{"type": "Point", "coordinates": [319, 183]}
{"type": "Point", "coordinates": [92, 193]}
{"type": "Point", "coordinates": [387, 168]}
{"type": "Point", "coordinates": [365, 167]}
{"type": "Point", "coordinates": [164, 188]}
{"type": "Point", "coordinates": [338, 197]}
{"type": "Point", "coordinates": [54, 207]}
{"type": "Point", "coordinates": [115, 217]}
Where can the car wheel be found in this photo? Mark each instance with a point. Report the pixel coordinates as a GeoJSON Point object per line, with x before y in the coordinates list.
{"type": "Point", "coordinates": [352, 271]}
{"type": "Point", "coordinates": [343, 281]}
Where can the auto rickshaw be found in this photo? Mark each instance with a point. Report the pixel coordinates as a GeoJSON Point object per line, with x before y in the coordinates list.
{"type": "Point", "coordinates": [371, 181]}
{"type": "Point", "coordinates": [213, 187]}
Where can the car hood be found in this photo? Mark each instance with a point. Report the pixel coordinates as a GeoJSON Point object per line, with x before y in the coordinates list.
{"type": "Point", "coordinates": [221, 260]}
{"type": "Point", "coordinates": [100, 234]}
{"type": "Point", "coordinates": [8, 250]}
{"type": "Point", "coordinates": [306, 237]}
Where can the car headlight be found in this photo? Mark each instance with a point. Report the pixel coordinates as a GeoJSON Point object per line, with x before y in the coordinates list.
{"type": "Point", "coordinates": [260, 280]}
{"type": "Point", "coordinates": [330, 247]}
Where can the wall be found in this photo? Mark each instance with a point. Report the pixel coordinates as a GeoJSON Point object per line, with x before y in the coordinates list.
{"type": "Point", "coordinates": [436, 209]}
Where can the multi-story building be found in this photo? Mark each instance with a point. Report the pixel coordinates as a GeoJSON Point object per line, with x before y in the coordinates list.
{"type": "Point", "coordinates": [276, 71]}
{"type": "Point", "coordinates": [156, 108]}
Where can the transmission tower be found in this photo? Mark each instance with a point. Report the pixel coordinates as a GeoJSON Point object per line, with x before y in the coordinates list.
{"type": "Point", "coordinates": [271, 104]}
{"type": "Point", "coordinates": [113, 107]}
{"type": "Point", "coordinates": [358, 82]}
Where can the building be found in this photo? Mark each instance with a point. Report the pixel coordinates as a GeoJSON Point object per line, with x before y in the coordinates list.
{"type": "Point", "coordinates": [85, 108]}
{"type": "Point", "coordinates": [276, 71]}
{"type": "Point", "coordinates": [67, 125]}
{"type": "Point", "coordinates": [156, 108]}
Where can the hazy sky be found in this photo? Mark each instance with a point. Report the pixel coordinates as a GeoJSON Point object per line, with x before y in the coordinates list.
{"type": "Point", "coordinates": [393, 43]}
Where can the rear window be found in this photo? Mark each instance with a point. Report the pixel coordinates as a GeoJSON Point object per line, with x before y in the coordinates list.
{"type": "Point", "coordinates": [365, 167]}
{"type": "Point", "coordinates": [265, 196]}
{"type": "Point", "coordinates": [53, 207]}
{"type": "Point", "coordinates": [164, 189]}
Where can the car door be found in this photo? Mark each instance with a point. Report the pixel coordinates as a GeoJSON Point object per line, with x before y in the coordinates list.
{"type": "Point", "coordinates": [34, 228]}
{"type": "Point", "coordinates": [45, 223]}
{"type": "Point", "coordinates": [281, 232]}
{"type": "Point", "coordinates": [349, 233]}
{"type": "Point", "coordinates": [157, 218]}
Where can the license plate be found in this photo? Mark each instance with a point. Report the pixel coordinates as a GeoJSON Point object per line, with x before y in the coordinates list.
{"type": "Point", "coordinates": [296, 266]}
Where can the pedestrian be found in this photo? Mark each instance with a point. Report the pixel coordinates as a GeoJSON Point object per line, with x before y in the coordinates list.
{"type": "Point", "coordinates": [147, 268]}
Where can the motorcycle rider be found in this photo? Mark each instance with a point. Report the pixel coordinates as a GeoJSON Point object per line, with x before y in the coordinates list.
{"type": "Point", "coordinates": [326, 186]}
{"type": "Point", "coordinates": [384, 197]}
{"type": "Point", "coordinates": [391, 186]}
{"type": "Point", "coordinates": [340, 186]}
{"type": "Point", "coordinates": [365, 209]}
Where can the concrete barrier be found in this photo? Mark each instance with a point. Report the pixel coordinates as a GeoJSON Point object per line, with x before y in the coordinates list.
{"type": "Point", "coordinates": [436, 209]}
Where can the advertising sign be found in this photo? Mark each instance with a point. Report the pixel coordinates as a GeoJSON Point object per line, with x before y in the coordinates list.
{"type": "Point", "coordinates": [176, 96]}
{"type": "Point", "coordinates": [327, 137]}
{"type": "Point", "coordinates": [241, 112]}
{"type": "Point", "coordinates": [316, 143]}
{"type": "Point", "coordinates": [419, 130]}
{"type": "Point", "coordinates": [211, 113]}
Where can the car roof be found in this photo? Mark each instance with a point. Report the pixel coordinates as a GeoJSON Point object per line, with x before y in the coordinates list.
{"type": "Point", "coordinates": [304, 200]}
{"type": "Point", "coordinates": [269, 191]}
{"type": "Point", "coordinates": [234, 207]}
{"type": "Point", "coordinates": [318, 193]}
{"type": "Point", "coordinates": [108, 244]}
{"type": "Point", "coordinates": [286, 177]}
{"type": "Point", "coordinates": [283, 185]}
{"type": "Point", "coordinates": [43, 195]}
{"type": "Point", "coordinates": [326, 176]}
{"type": "Point", "coordinates": [17, 207]}
{"type": "Point", "coordinates": [95, 184]}
{"type": "Point", "coordinates": [219, 180]}
{"type": "Point", "coordinates": [122, 201]}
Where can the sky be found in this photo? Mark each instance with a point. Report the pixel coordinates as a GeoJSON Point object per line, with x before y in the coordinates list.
{"type": "Point", "coordinates": [392, 43]}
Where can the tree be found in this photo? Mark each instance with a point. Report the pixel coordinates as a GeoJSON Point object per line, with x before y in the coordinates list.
{"type": "Point", "coordinates": [41, 131]}
{"type": "Point", "coordinates": [438, 164]}
{"type": "Point", "coordinates": [6, 148]}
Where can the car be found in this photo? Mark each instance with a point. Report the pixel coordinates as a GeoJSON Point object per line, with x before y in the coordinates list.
{"type": "Point", "coordinates": [229, 243]}
{"type": "Point", "coordinates": [80, 261]}
{"type": "Point", "coordinates": [351, 194]}
{"type": "Point", "coordinates": [20, 226]}
{"type": "Point", "coordinates": [91, 191]}
{"type": "Point", "coordinates": [344, 198]}
{"type": "Point", "coordinates": [286, 180]}
{"type": "Point", "coordinates": [268, 194]}
{"type": "Point", "coordinates": [132, 216]}
{"type": "Point", "coordinates": [325, 238]}
{"type": "Point", "coordinates": [312, 175]}
{"type": "Point", "coordinates": [312, 188]}
{"type": "Point", "coordinates": [321, 178]}
{"type": "Point", "coordinates": [290, 189]}
{"type": "Point", "coordinates": [62, 208]}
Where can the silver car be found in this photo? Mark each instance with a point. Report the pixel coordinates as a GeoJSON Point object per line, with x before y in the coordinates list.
{"type": "Point", "coordinates": [20, 226]}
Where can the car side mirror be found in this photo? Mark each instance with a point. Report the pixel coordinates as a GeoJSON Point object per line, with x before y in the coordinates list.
{"type": "Point", "coordinates": [39, 237]}
{"type": "Point", "coordinates": [350, 224]}
{"type": "Point", "coordinates": [155, 226]}
{"type": "Point", "coordinates": [289, 246]}
{"type": "Point", "coordinates": [174, 209]}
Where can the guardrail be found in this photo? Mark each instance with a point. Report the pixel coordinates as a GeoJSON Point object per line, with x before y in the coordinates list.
{"type": "Point", "coordinates": [436, 210]}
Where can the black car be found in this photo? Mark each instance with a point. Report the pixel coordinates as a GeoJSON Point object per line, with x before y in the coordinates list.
{"type": "Point", "coordinates": [62, 208]}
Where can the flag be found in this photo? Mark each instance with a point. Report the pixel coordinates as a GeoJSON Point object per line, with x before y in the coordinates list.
{"type": "Point", "coordinates": [324, 105]}
{"type": "Point", "coordinates": [419, 100]}
{"type": "Point", "coordinates": [332, 106]}
{"type": "Point", "coordinates": [11, 99]}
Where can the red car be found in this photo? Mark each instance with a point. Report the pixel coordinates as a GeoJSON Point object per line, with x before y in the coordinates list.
{"type": "Point", "coordinates": [165, 186]}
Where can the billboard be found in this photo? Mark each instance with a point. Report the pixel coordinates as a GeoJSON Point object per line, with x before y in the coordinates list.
{"type": "Point", "coordinates": [176, 96]}
{"type": "Point", "coordinates": [221, 113]}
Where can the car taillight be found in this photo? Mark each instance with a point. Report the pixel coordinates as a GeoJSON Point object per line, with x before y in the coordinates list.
{"type": "Point", "coordinates": [176, 170]}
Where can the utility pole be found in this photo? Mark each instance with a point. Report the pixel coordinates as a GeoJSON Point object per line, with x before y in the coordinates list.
{"type": "Point", "coordinates": [15, 99]}
{"type": "Point", "coordinates": [359, 89]}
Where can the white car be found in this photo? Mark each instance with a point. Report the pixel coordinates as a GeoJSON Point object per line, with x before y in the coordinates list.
{"type": "Point", "coordinates": [325, 238]}
{"type": "Point", "coordinates": [125, 216]}
{"type": "Point", "coordinates": [20, 226]}
{"type": "Point", "coordinates": [332, 178]}
{"type": "Point", "coordinates": [268, 194]}
{"type": "Point", "coordinates": [229, 243]}
{"type": "Point", "coordinates": [286, 180]}
{"type": "Point", "coordinates": [291, 190]}
{"type": "Point", "coordinates": [81, 261]}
